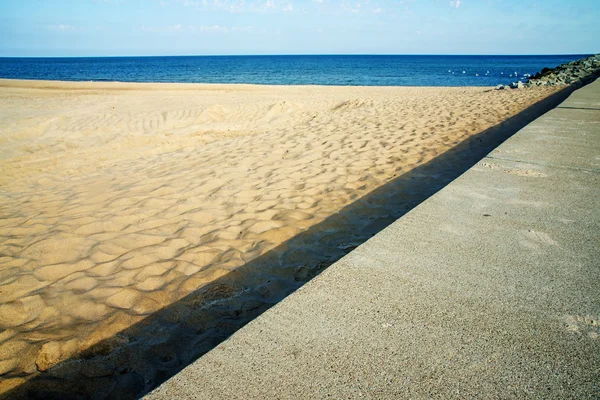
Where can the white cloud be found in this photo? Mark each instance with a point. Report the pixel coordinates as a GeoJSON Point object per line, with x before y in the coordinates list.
{"type": "Point", "coordinates": [455, 3]}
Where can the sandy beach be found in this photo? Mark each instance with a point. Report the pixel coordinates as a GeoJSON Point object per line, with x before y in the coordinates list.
{"type": "Point", "coordinates": [118, 200]}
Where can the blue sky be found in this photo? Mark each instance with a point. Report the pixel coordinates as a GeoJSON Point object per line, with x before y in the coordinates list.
{"type": "Point", "coordinates": [206, 27]}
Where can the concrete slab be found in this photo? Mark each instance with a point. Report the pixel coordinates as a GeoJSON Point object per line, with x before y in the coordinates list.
{"type": "Point", "coordinates": [489, 289]}
{"type": "Point", "coordinates": [563, 137]}
{"type": "Point", "coordinates": [585, 99]}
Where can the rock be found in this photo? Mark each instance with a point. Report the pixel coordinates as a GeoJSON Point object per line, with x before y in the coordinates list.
{"type": "Point", "coordinates": [48, 356]}
{"type": "Point", "coordinates": [520, 85]}
{"type": "Point", "coordinates": [54, 352]}
{"type": "Point", "coordinates": [500, 87]}
{"type": "Point", "coordinates": [575, 72]}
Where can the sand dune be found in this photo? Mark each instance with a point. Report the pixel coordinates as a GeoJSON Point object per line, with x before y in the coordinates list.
{"type": "Point", "coordinates": [119, 199]}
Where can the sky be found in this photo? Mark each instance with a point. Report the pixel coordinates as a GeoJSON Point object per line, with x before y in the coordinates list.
{"type": "Point", "coordinates": [63, 28]}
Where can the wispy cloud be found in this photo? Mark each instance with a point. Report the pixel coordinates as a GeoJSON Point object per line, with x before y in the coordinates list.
{"type": "Point", "coordinates": [236, 6]}
{"type": "Point", "coordinates": [455, 3]}
{"type": "Point", "coordinates": [353, 8]}
{"type": "Point", "coordinates": [162, 29]}
{"type": "Point", "coordinates": [208, 29]}
{"type": "Point", "coordinates": [195, 28]}
{"type": "Point", "coordinates": [62, 27]}
{"type": "Point", "coordinates": [336, 7]}
{"type": "Point", "coordinates": [281, 6]}
{"type": "Point", "coordinates": [242, 29]}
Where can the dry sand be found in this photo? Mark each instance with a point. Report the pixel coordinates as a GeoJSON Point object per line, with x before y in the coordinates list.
{"type": "Point", "coordinates": [117, 200]}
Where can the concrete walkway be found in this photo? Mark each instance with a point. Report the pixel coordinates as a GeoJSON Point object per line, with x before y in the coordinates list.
{"type": "Point", "coordinates": [489, 289]}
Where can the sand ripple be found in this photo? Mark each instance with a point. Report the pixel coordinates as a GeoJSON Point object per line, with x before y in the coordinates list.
{"type": "Point", "coordinates": [117, 200]}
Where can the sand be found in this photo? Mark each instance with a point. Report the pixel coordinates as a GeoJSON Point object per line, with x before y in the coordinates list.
{"type": "Point", "coordinates": [118, 200]}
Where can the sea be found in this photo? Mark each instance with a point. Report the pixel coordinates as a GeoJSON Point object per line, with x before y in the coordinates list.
{"type": "Point", "coordinates": [347, 70]}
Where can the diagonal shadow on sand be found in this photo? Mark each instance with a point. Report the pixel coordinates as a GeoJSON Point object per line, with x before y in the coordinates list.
{"type": "Point", "coordinates": [146, 354]}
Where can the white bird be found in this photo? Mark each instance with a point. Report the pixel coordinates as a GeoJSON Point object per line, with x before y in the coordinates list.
{"type": "Point", "coordinates": [476, 74]}
{"type": "Point", "coordinates": [464, 72]}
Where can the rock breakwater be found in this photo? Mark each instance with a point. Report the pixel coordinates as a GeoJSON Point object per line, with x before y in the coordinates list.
{"type": "Point", "coordinates": [576, 72]}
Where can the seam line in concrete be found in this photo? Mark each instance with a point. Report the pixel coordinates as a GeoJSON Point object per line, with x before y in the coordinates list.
{"type": "Point", "coordinates": [579, 108]}
{"type": "Point", "coordinates": [544, 164]}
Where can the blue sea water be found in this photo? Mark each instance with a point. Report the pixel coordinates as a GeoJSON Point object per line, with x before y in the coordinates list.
{"type": "Point", "coordinates": [353, 70]}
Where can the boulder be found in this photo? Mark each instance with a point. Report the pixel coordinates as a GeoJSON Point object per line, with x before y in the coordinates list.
{"type": "Point", "coordinates": [53, 353]}
{"type": "Point", "coordinates": [574, 72]}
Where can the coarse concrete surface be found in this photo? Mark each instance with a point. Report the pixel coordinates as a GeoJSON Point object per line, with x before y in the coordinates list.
{"type": "Point", "coordinates": [488, 289]}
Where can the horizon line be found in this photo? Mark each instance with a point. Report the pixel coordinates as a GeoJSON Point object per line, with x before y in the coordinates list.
{"type": "Point", "coordinates": [309, 54]}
